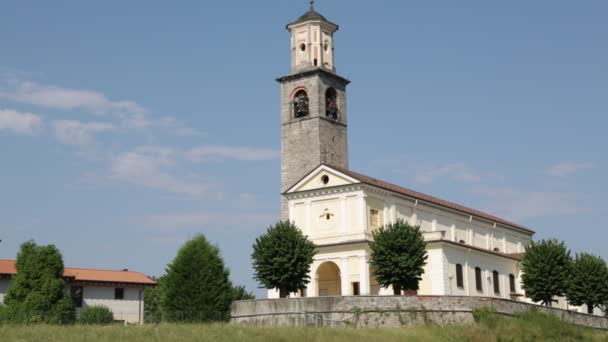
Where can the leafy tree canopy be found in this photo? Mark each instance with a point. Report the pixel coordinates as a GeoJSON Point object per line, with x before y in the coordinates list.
{"type": "Point", "coordinates": [241, 293]}
{"type": "Point", "coordinates": [282, 258]}
{"type": "Point", "coordinates": [38, 292]}
{"type": "Point", "coordinates": [196, 287]}
{"type": "Point", "coordinates": [152, 296]}
{"type": "Point", "coordinates": [546, 267]}
{"type": "Point", "coordinates": [398, 256]}
{"type": "Point", "coordinates": [588, 281]}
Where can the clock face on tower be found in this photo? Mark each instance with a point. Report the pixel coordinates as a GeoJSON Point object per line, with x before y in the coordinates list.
{"type": "Point", "coordinates": [327, 220]}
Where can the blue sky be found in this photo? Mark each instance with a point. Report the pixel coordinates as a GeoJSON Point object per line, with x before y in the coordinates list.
{"type": "Point", "coordinates": [128, 127]}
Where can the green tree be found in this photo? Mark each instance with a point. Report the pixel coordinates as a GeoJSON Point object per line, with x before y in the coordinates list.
{"type": "Point", "coordinates": [546, 267]}
{"type": "Point", "coordinates": [398, 256]}
{"type": "Point", "coordinates": [588, 282]}
{"type": "Point", "coordinates": [38, 292]}
{"type": "Point", "coordinates": [196, 287]}
{"type": "Point", "coordinates": [282, 258]}
{"type": "Point", "coordinates": [152, 297]}
{"type": "Point", "coordinates": [241, 293]}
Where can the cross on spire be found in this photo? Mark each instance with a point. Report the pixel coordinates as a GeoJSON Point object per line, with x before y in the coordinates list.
{"type": "Point", "coordinates": [312, 4]}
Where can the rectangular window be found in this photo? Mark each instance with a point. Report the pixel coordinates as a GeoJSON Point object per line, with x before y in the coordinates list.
{"type": "Point", "coordinates": [119, 293]}
{"type": "Point", "coordinates": [478, 283]}
{"type": "Point", "coordinates": [356, 288]}
{"type": "Point", "coordinates": [76, 294]}
{"type": "Point", "coordinates": [512, 283]}
{"type": "Point", "coordinates": [303, 293]}
{"type": "Point", "coordinates": [374, 218]}
{"type": "Point", "coordinates": [459, 277]}
{"type": "Point", "coordinates": [496, 282]}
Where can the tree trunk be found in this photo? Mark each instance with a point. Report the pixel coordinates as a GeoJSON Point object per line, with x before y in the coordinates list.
{"type": "Point", "coordinates": [283, 293]}
{"type": "Point", "coordinates": [590, 309]}
{"type": "Point", "coordinates": [396, 290]}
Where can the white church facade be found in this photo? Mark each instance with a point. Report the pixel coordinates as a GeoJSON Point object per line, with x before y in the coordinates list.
{"type": "Point", "coordinates": [470, 253]}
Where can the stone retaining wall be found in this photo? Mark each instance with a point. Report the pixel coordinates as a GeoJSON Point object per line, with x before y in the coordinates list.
{"type": "Point", "coordinates": [385, 311]}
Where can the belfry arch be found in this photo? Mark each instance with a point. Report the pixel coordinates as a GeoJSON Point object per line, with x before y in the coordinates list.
{"type": "Point", "coordinates": [328, 280]}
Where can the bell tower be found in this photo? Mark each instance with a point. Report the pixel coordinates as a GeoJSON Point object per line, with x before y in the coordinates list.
{"type": "Point", "coordinates": [313, 103]}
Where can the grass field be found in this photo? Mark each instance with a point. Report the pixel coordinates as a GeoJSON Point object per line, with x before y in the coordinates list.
{"type": "Point", "coordinates": [527, 327]}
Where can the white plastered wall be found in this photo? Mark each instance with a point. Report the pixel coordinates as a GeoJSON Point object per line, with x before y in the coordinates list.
{"type": "Point", "coordinates": [129, 309]}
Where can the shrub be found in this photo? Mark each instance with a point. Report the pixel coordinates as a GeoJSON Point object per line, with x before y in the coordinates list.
{"type": "Point", "coordinates": [96, 315]}
{"type": "Point", "coordinates": [485, 316]}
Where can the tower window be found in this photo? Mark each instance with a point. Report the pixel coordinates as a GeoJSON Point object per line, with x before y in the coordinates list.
{"type": "Point", "coordinates": [303, 47]}
{"type": "Point", "coordinates": [326, 47]}
{"type": "Point", "coordinates": [300, 104]}
{"type": "Point", "coordinates": [331, 104]}
{"type": "Point", "coordinates": [459, 277]}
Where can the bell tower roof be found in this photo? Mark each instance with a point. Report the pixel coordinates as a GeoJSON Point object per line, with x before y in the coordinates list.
{"type": "Point", "coordinates": [311, 15]}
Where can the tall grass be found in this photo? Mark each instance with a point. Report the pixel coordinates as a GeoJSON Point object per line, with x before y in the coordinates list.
{"type": "Point", "coordinates": [524, 327]}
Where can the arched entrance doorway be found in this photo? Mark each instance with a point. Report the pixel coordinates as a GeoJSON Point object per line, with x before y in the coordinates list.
{"type": "Point", "coordinates": [328, 280]}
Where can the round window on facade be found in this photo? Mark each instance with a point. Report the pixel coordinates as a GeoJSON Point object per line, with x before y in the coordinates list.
{"type": "Point", "coordinates": [326, 47]}
{"type": "Point", "coordinates": [325, 179]}
{"type": "Point", "coordinates": [303, 47]}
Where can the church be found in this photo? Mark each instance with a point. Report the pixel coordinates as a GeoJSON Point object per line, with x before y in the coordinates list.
{"type": "Point", "coordinates": [470, 253]}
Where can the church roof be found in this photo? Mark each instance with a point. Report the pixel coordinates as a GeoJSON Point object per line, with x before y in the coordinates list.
{"type": "Point", "coordinates": [423, 197]}
{"type": "Point", "coordinates": [311, 15]}
{"type": "Point", "coordinates": [8, 268]}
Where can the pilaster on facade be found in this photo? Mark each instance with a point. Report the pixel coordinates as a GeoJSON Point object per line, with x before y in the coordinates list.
{"type": "Point", "coordinates": [364, 275]}
{"type": "Point", "coordinates": [308, 219]}
{"type": "Point", "coordinates": [344, 213]}
{"type": "Point", "coordinates": [344, 276]}
{"type": "Point", "coordinates": [362, 213]}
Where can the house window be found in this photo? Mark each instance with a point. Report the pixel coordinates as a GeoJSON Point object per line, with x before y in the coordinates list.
{"type": "Point", "coordinates": [374, 218]}
{"type": "Point", "coordinates": [303, 292]}
{"type": "Point", "coordinates": [512, 283]}
{"type": "Point", "coordinates": [496, 282]}
{"type": "Point", "coordinates": [76, 294]}
{"type": "Point", "coordinates": [478, 283]}
{"type": "Point", "coordinates": [459, 277]}
{"type": "Point", "coordinates": [119, 293]}
{"type": "Point", "coordinates": [356, 288]}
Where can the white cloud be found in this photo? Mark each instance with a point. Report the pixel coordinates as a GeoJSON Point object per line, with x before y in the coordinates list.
{"type": "Point", "coordinates": [567, 168]}
{"type": "Point", "coordinates": [519, 205]}
{"type": "Point", "coordinates": [76, 133]}
{"type": "Point", "coordinates": [19, 122]}
{"type": "Point", "coordinates": [455, 171]}
{"type": "Point", "coordinates": [219, 153]}
{"type": "Point", "coordinates": [66, 98]}
{"type": "Point", "coordinates": [153, 167]}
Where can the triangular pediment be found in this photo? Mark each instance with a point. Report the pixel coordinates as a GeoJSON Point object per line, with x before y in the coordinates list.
{"type": "Point", "coordinates": [323, 176]}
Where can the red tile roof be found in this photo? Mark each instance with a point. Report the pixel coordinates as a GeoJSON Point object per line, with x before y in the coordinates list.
{"type": "Point", "coordinates": [7, 267]}
{"type": "Point", "coordinates": [430, 199]}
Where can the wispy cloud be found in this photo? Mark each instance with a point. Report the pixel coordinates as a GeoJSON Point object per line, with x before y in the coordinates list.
{"type": "Point", "coordinates": [567, 168]}
{"type": "Point", "coordinates": [20, 122]}
{"type": "Point", "coordinates": [154, 167]}
{"type": "Point", "coordinates": [459, 171]}
{"type": "Point", "coordinates": [219, 153]}
{"type": "Point", "coordinates": [77, 133]}
{"type": "Point", "coordinates": [520, 205]}
{"type": "Point", "coordinates": [66, 98]}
